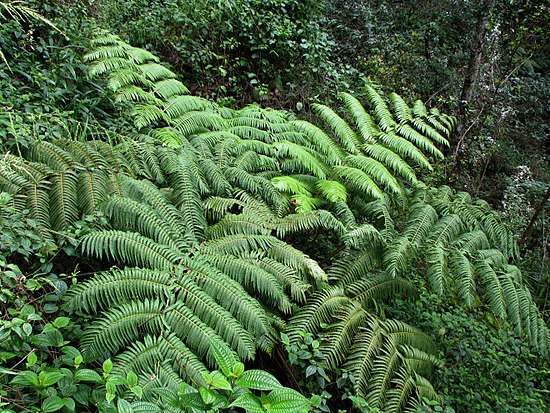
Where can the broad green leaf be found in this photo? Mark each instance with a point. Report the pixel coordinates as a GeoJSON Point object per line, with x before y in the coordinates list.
{"type": "Point", "coordinates": [286, 400]}
{"type": "Point", "coordinates": [219, 381]}
{"type": "Point", "coordinates": [250, 402]}
{"type": "Point", "coordinates": [52, 404]}
{"type": "Point", "coordinates": [87, 375]}
{"type": "Point", "coordinates": [258, 380]}
{"type": "Point", "coordinates": [50, 378]}
{"type": "Point", "coordinates": [107, 366]}
{"type": "Point", "coordinates": [131, 379]}
{"type": "Point", "coordinates": [61, 322]}
{"type": "Point", "coordinates": [123, 406]}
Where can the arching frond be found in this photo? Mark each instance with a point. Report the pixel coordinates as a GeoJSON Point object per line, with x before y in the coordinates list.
{"type": "Point", "coordinates": [339, 127]}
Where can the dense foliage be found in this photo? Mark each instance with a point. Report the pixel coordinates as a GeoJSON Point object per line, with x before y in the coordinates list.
{"type": "Point", "coordinates": [168, 246]}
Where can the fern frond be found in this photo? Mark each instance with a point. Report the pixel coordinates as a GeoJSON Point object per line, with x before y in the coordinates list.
{"type": "Point", "coordinates": [63, 200]}
{"type": "Point", "coordinates": [129, 247]}
{"type": "Point", "coordinates": [363, 236]}
{"type": "Point", "coordinates": [214, 315]}
{"type": "Point", "coordinates": [304, 156]}
{"type": "Point", "coordinates": [405, 149]}
{"type": "Point", "coordinates": [368, 130]}
{"type": "Point", "coordinates": [400, 108]}
{"type": "Point", "coordinates": [420, 223]}
{"type": "Point", "coordinates": [419, 140]}
{"type": "Point", "coordinates": [118, 286]}
{"type": "Point", "coordinates": [121, 326]}
{"type": "Point", "coordinates": [194, 333]}
{"type": "Point", "coordinates": [429, 132]}
{"type": "Point", "coordinates": [319, 309]}
{"type": "Point", "coordinates": [390, 159]}
{"type": "Point", "coordinates": [253, 278]}
{"type": "Point", "coordinates": [307, 221]}
{"type": "Point", "coordinates": [381, 110]}
{"type": "Point", "coordinates": [229, 294]}
{"type": "Point", "coordinates": [353, 266]}
{"type": "Point", "coordinates": [372, 288]}
{"type": "Point", "coordinates": [339, 127]}
{"type": "Point", "coordinates": [168, 88]}
{"type": "Point", "coordinates": [320, 141]}
{"type": "Point", "coordinates": [181, 104]}
{"type": "Point", "coordinates": [341, 334]}
{"type": "Point", "coordinates": [376, 170]}
{"type": "Point", "coordinates": [360, 180]}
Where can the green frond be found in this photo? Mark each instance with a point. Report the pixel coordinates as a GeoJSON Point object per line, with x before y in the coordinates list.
{"type": "Point", "coordinates": [307, 222]}
{"type": "Point", "coordinates": [398, 255]}
{"type": "Point", "coordinates": [419, 140]}
{"type": "Point", "coordinates": [372, 288]}
{"type": "Point", "coordinates": [376, 170]}
{"type": "Point", "coordinates": [216, 316]}
{"type": "Point", "coordinates": [341, 333]}
{"type": "Point", "coordinates": [390, 159]}
{"type": "Point", "coordinates": [446, 230]}
{"type": "Point", "coordinates": [419, 110]}
{"type": "Point", "coordinates": [353, 266]}
{"type": "Point", "coordinates": [291, 185]}
{"type": "Point", "coordinates": [320, 141]}
{"type": "Point", "coordinates": [146, 193]}
{"type": "Point", "coordinates": [400, 108]}
{"type": "Point", "coordinates": [493, 291]}
{"type": "Point", "coordinates": [252, 122]}
{"type": "Point", "coordinates": [464, 275]}
{"type": "Point", "coordinates": [333, 191]}
{"type": "Point", "coordinates": [436, 258]}
{"type": "Point", "coordinates": [359, 180]}
{"type": "Point", "coordinates": [107, 51]}
{"type": "Point", "coordinates": [169, 136]}
{"type": "Point", "coordinates": [305, 203]}
{"type": "Point", "coordinates": [319, 309]}
{"type": "Point", "coordinates": [363, 236]}
{"type": "Point", "coordinates": [146, 115]}
{"type": "Point", "coordinates": [193, 122]}
{"type": "Point", "coordinates": [405, 149]}
{"type": "Point", "coordinates": [194, 333]}
{"type": "Point", "coordinates": [179, 105]}
{"type": "Point", "coordinates": [139, 56]}
{"type": "Point", "coordinates": [302, 155]}
{"type": "Point", "coordinates": [253, 278]}
{"type": "Point", "coordinates": [118, 286]}
{"type": "Point", "coordinates": [63, 200]}
{"type": "Point", "coordinates": [126, 213]}
{"type": "Point", "coordinates": [51, 155]}
{"type": "Point", "coordinates": [339, 127]}
{"type": "Point", "coordinates": [429, 132]}
{"type": "Point", "coordinates": [168, 88]}
{"type": "Point", "coordinates": [367, 128]}
{"type": "Point", "coordinates": [420, 223]}
{"type": "Point", "coordinates": [215, 178]}
{"type": "Point", "coordinates": [120, 326]}
{"type": "Point", "coordinates": [129, 247]}
{"type": "Point", "coordinates": [155, 71]}
{"type": "Point", "coordinates": [383, 115]}
{"type": "Point", "coordinates": [132, 93]}
{"type": "Point", "coordinates": [366, 348]}
{"type": "Point", "coordinates": [470, 242]}
{"type": "Point", "coordinates": [249, 133]}
{"type": "Point", "coordinates": [125, 77]}
{"type": "Point", "coordinates": [239, 224]}
{"type": "Point", "coordinates": [93, 188]}
{"type": "Point", "coordinates": [229, 294]}
{"type": "Point", "coordinates": [288, 277]}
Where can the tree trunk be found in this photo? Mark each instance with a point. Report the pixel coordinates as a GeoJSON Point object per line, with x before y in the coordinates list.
{"type": "Point", "coordinates": [534, 218]}
{"type": "Point", "coordinates": [476, 54]}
